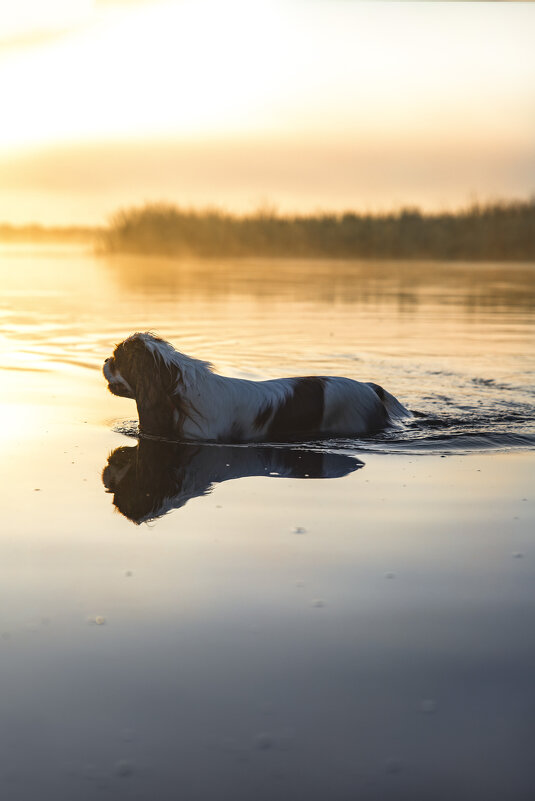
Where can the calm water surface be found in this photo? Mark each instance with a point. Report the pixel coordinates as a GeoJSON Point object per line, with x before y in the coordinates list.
{"type": "Point", "coordinates": [340, 620]}
{"type": "Point", "coordinates": [454, 341]}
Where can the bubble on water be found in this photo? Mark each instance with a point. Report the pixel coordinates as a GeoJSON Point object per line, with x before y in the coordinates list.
{"type": "Point", "coordinates": [428, 706]}
{"type": "Point", "coordinates": [124, 768]}
{"type": "Point", "coordinates": [318, 603]}
{"type": "Point", "coordinates": [97, 620]}
{"type": "Point", "coordinates": [393, 765]}
{"type": "Point", "coordinates": [299, 530]}
{"type": "Point", "coordinates": [264, 741]}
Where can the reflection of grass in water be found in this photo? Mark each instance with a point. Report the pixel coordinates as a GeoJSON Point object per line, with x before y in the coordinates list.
{"type": "Point", "coordinates": [498, 231]}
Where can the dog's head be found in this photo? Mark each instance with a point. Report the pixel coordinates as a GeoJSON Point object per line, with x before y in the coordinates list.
{"type": "Point", "coordinates": [139, 369]}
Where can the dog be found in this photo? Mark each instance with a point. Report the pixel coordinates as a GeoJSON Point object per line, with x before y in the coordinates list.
{"type": "Point", "coordinates": [154, 477]}
{"type": "Point", "coordinates": [182, 398]}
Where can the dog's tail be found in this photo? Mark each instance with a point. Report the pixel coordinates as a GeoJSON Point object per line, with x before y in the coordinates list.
{"type": "Point", "coordinates": [394, 408]}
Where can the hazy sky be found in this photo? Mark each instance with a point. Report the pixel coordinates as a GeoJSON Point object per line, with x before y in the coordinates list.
{"type": "Point", "coordinates": [302, 104]}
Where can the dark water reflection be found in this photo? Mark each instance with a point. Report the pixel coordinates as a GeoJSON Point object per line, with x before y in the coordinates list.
{"type": "Point", "coordinates": [152, 478]}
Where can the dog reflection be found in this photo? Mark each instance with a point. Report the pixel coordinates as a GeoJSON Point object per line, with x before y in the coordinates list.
{"type": "Point", "coordinates": [152, 478]}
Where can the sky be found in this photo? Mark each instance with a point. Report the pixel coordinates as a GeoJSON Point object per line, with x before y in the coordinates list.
{"type": "Point", "coordinates": [301, 105]}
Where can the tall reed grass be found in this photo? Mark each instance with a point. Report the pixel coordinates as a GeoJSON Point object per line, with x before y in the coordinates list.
{"type": "Point", "coordinates": [497, 231]}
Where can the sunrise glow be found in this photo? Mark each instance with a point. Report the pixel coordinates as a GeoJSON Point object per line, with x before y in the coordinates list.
{"type": "Point", "coordinates": [371, 103]}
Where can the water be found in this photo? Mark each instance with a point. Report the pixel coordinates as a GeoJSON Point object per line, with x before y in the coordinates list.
{"type": "Point", "coordinates": [343, 619]}
{"type": "Point", "coordinates": [455, 342]}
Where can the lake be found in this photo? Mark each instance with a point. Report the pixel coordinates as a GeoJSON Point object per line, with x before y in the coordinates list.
{"type": "Point", "coordinates": [349, 619]}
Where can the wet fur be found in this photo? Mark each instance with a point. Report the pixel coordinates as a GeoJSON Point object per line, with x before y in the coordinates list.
{"type": "Point", "coordinates": [182, 398]}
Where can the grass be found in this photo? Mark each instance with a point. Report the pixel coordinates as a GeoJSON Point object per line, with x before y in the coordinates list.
{"type": "Point", "coordinates": [495, 231]}
{"type": "Point", "coordinates": [500, 231]}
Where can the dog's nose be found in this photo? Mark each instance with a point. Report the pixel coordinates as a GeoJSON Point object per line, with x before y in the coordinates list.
{"type": "Point", "coordinates": [107, 360]}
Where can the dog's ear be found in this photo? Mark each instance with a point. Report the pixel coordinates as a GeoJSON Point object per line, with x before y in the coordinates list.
{"type": "Point", "coordinates": [154, 389]}
{"type": "Point", "coordinates": [151, 380]}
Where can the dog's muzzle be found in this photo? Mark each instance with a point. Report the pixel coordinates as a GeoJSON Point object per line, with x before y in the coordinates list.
{"type": "Point", "coordinates": [116, 383]}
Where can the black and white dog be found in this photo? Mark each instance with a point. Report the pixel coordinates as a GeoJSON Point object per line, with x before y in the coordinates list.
{"type": "Point", "coordinates": [182, 398]}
